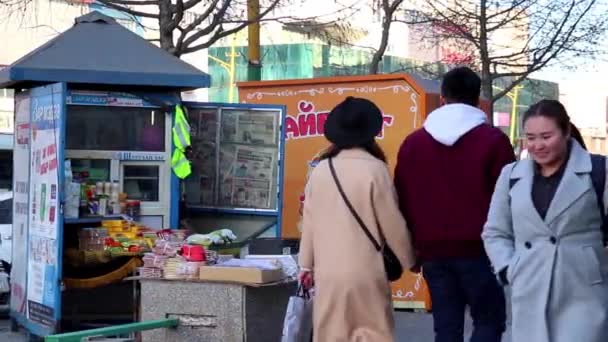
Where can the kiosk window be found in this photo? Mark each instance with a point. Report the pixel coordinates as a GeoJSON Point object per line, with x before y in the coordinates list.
{"type": "Point", "coordinates": [6, 170]}
{"type": "Point", "coordinates": [247, 148]}
{"type": "Point", "coordinates": [91, 170]}
{"type": "Point", "coordinates": [6, 210]}
{"type": "Point", "coordinates": [115, 128]}
{"type": "Point", "coordinates": [141, 182]}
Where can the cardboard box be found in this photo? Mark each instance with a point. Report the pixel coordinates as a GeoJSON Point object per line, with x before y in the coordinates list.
{"type": "Point", "coordinates": [240, 275]}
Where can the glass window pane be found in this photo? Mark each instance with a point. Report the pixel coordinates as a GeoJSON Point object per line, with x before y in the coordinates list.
{"type": "Point", "coordinates": [141, 182]}
{"type": "Point", "coordinates": [200, 185]}
{"type": "Point", "coordinates": [250, 127]}
{"type": "Point", "coordinates": [203, 123]}
{"type": "Point", "coordinates": [115, 128]}
{"type": "Point", "coordinates": [91, 171]}
{"type": "Point", "coordinates": [141, 172]}
{"type": "Point", "coordinates": [6, 211]}
{"type": "Point", "coordinates": [248, 149]}
{"type": "Point", "coordinates": [250, 177]}
{"type": "Point", "coordinates": [6, 170]}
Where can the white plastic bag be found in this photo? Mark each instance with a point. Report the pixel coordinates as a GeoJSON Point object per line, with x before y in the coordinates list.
{"type": "Point", "coordinates": [297, 326]}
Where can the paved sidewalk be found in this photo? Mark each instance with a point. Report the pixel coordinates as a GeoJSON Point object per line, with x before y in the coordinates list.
{"type": "Point", "coordinates": [7, 336]}
{"type": "Point", "coordinates": [411, 327]}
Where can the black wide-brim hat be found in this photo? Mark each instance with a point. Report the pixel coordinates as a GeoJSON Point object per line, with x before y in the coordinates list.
{"type": "Point", "coordinates": [354, 122]}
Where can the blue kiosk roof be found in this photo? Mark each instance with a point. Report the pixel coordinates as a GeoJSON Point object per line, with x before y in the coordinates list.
{"type": "Point", "coordinates": [99, 51]}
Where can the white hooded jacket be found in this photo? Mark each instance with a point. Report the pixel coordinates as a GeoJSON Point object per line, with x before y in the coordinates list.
{"type": "Point", "coordinates": [450, 122]}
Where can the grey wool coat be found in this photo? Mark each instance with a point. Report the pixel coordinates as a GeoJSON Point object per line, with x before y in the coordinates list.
{"type": "Point", "coordinates": [557, 267]}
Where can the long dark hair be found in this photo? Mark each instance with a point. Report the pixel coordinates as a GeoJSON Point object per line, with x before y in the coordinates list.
{"type": "Point", "coordinates": [576, 135]}
{"type": "Point", "coordinates": [371, 147]}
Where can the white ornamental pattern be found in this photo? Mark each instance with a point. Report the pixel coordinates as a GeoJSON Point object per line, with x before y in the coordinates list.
{"type": "Point", "coordinates": [395, 89]}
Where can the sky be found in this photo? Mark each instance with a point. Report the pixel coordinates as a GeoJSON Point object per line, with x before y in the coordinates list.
{"type": "Point", "coordinates": [584, 91]}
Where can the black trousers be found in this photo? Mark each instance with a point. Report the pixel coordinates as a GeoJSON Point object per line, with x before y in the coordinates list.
{"type": "Point", "coordinates": [457, 283]}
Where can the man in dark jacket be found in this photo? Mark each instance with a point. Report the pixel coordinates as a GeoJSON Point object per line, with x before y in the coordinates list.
{"type": "Point", "coordinates": [445, 177]}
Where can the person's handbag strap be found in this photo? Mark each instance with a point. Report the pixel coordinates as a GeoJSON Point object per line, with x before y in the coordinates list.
{"type": "Point", "coordinates": [350, 207]}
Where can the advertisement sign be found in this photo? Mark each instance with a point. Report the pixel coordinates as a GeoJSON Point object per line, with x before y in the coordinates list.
{"type": "Point", "coordinates": [47, 109]}
{"type": "Point", "coordinates": [308, 103]}
{"type": "Point", "coordinates": [404, 104]}
{"type": "Point", "coordinates": [99, 98]}
{"type": "Point", "coordinates": [21, 180]}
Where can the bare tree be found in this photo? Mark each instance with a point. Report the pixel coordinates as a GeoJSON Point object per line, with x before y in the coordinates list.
{"type": "Point", "coordinates": [186, 26]}
{"type": "Point", "coordinates": [510, 39]}
{"type": "Point", "coordinates": [388, 9]}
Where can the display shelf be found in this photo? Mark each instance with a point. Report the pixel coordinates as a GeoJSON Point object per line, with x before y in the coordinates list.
{"type": "Point", "coordinates": [96, 219]}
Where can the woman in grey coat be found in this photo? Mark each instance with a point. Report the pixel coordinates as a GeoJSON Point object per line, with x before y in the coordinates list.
{"type": "Point", "coordinates": [544, 236]}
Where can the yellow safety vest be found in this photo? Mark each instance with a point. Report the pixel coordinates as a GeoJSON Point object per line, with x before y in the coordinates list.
{"type": "Point", "coordinates": [181, 139]}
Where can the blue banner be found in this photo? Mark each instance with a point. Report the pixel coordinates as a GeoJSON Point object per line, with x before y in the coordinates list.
{"type": "Point", "coordinates": [47, 113]}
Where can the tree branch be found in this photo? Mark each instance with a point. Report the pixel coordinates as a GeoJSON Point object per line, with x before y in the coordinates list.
{"type": "Point", "coordinates": [178, 11]}
{"type": "Point", "coordinates": [113, 5]}
{"type": "Point", "coordinates": [389, 9]}
{"type": "Point", "coordinates": [189, 4]}
{"type": "Point", "coordinates": [221, 33]}
{"type": "Point", "coordinates": [134, 2]}
{"type": "Point", "coordinates": [184, 41]}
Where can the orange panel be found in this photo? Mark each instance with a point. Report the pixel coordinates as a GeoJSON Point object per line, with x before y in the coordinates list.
{"type": "Point", "coordinates": [411, 292]}
{"type": "Point", "coordinates": [404, 104]}
{"type": "Point", "coordinates": [308, 102]}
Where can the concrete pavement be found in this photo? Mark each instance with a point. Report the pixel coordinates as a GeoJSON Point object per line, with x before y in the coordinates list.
{"type": "Point", "coordinates": [418, 327]}
{"type": "Point", "coordinates": [7, 336]}
{"type": "Point", "coordinates": [411, 327]}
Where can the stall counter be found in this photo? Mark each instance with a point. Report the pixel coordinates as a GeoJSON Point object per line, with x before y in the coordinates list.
{"type": "Point", "coordinates": [215, 312]}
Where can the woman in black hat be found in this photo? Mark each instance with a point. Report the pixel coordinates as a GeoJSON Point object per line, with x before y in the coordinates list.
{"type": "Point", "coordinates": [350, 217]}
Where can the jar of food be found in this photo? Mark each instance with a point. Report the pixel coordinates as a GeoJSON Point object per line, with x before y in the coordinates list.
{"type": "Point", "coordinates": [133, 210]}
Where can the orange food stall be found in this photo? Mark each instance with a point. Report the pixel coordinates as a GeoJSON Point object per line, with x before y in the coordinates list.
{"type": "Point", "coordinates": [405, 102]}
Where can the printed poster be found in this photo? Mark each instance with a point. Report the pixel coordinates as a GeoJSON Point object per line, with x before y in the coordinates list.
{"type": "Point", "coordinates": [21, 157]}
{"type": "Point", "coordinates": [249, 127]}
{"type": "Point", "coordinates": [46, 110]}
{"type": "Point", "coordinates": [249, 180]}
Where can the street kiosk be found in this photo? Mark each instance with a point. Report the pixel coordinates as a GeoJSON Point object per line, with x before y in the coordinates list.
{"type": "Point", "coordinates": [95, 106]}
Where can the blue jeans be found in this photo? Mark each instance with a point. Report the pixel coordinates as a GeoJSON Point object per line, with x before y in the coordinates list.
{"type": "Point", "coordinates": [456, 283]}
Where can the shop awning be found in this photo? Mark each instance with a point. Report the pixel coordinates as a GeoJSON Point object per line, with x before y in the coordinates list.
{"type": "Point", "coordinates": [98, 50]}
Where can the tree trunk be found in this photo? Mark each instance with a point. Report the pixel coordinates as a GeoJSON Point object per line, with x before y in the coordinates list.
{"type": "Point", "coordinates": [164, 24]}
{"type": "Point", "coordinates": [386, 27]}
{"type": "Point", "coordinates": [375, 63]}
{"type": "Point", "coordinates": [484, 56]}
{"type": "Point", "coordinates": [487, 91]}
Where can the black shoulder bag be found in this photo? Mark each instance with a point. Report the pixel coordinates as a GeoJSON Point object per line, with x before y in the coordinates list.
{"type": "Point", "coordinates": [392, 266]}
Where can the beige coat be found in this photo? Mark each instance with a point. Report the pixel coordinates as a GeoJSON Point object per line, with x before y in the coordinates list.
{"type": "Point", "coordinates": [352, 294]}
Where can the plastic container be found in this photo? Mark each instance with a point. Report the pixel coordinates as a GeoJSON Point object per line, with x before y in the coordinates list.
{"type": "Point", "coordinates": [133, 210]}
{"type": "Point", "coordinates": [107, 188]}
{"type": "Point", "coordinates": [103, 206]}
{"type": "Point", "coordinates": [193, 253]}
{"type": "Point", "coordinates": [99, 188]}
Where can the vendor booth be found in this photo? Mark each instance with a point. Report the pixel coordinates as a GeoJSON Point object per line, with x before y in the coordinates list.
{"type": "Point", "coordinates": [95, 118]}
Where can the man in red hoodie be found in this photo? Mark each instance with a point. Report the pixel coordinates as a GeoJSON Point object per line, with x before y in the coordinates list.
{"type": "Point", "coordinates": [445, 177]}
